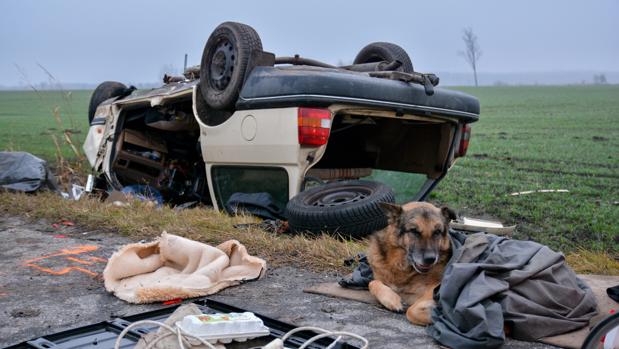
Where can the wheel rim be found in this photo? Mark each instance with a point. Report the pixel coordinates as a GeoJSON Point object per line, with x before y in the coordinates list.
{"type": "Point", "coordinates": [222, 64]}
{"type": "Point", "coordinates": [338, 196]}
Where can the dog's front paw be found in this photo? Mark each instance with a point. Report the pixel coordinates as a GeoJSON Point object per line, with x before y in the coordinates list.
{"type": "Point", "coordinates": [386, 296]}
{"type": "Point", "coordinates": [392, 302]}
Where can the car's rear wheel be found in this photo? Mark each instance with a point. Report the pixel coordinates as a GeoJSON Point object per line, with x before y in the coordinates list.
{"type": "Point", "coordinates": [103, 92]}
{"type": "Point", "coordinates": [385, 51]}
{"type": "Point", "coordinates": [224, 63]}
{"type": "Point", "coordinates": [346, 208]}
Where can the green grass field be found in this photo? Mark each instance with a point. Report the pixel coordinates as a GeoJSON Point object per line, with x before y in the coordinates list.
{"type": "Point", "coordinates": [531, 138]}
{"type": "Point", "coordinates": [528, 138]}
{"type": "Point", "coordinates": [28, 121]}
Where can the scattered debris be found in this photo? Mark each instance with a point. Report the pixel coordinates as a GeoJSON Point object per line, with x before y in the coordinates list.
{"type": "Point", "coordinates": [480, 225]}
{"type": "Point", "coordinates": [540, 191]}
{"type": "Point", "coordinates": [77, 191]}
{"type": "Point", "coordinates": [139, 192]}
{"type": "Point", "coordinates": [117, 198]}
{"type": "Point", "coordinates": [144, 193]}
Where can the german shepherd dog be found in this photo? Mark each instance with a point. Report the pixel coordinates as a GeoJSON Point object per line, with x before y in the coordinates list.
{"type": "Point", "coordinates": [408, 257]}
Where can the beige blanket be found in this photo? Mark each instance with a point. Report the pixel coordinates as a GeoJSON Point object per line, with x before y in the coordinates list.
{"type": "Point", "coordinates": [175, 267]}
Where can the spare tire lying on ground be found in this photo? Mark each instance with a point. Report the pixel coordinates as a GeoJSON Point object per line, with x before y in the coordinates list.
{"type": "Point", "coordinates": [346, 208]}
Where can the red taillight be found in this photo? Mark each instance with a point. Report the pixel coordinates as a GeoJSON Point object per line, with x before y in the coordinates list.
{"type": "Point", "coordinates": [464, 140]}
{"type": "Point", "coordinates": [314, 126]}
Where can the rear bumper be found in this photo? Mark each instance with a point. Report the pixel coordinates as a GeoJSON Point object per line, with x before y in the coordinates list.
{"type": "Point", "coordinates": [326, 100]}
{"type": "Point", "coordinates": [270, 87]}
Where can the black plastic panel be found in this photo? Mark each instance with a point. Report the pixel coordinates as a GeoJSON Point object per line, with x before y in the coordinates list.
{"type": "Point", "coordinates": [103, 335]}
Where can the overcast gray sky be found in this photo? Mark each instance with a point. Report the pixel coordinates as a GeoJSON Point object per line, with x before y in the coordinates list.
{"type": "Point", "coordinates": [130, 41]}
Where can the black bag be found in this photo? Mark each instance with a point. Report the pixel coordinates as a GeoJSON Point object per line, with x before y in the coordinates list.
{"type": "Point", "coordinates": [21, 171]}
{"type": "Point", "coordinates": [258, 204]}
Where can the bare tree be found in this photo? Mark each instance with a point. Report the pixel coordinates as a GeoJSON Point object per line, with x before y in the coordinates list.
{"type": "Point", "coordinates": [600, 79]}
{"type": "Point", "coordinates": [471, 52]}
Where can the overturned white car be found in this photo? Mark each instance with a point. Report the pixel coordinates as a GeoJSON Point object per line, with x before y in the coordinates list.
{"type": "Point", "coordinates": [303, 132]}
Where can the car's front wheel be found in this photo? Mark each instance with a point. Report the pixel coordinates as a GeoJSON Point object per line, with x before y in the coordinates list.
{"type": "Point", "coordinates": [346, 208]}
{"type": "Point", "coordinates": [103, 92]}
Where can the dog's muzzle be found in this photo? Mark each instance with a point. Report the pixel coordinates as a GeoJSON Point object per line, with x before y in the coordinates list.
{"type": "Point", "coordinates": [423, 266]}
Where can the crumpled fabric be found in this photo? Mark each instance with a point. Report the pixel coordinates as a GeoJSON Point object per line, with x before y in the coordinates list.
{"type": "Point", "coordinates": [175, 267]}
{"type": "Point", "coordinates": [360, 277]}
{"type": "Point", "coordinates": [491, 281]}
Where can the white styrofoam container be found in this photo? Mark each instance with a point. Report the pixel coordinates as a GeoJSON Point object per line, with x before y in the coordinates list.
{"type": "Point", "coordinates": [224, 328]}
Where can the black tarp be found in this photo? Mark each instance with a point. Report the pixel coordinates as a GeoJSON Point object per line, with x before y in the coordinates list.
{"type": "Point", "coordinates": [21, 171]}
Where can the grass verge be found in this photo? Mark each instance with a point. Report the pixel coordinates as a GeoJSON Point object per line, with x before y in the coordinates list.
{"type": "Point", "coordinates": [142, 221]}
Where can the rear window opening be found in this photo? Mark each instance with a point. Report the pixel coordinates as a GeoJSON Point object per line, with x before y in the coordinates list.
{"type": "Point", "coordinates": [407, 186]}
{"type": "Point", "coordinates": [408, 155]}
{"type": "Point", "coordinates": [228, 180]}
{"type": "Point", "coordinates": [160, 147]}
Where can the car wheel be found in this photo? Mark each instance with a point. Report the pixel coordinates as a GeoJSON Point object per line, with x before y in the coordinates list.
{"type": "Point", "coordinates": [206, 114]}
{"type": "Point", "coordinates": [599, 332]}
{"type": "Point", "coordinates": [347, 208]}
{"type": "Point", "coordinates": [103, 92]}
{"type": "Point", "coordinates": [224, 62]}
{"type": "Point", "coordinates": [385, 51]}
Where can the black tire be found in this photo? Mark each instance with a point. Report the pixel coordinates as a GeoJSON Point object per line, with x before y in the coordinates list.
{"type": "Point", "coordinates": [599, 331]}
{"type": "Point", "coordinates": [208, 115]}
{"type": "Point", "coordinates": [224, 63]}
{"type": "Point", "coordinates": [103, 92]}
{"type": "Point", "coordinates": [385, 51]}
{"type": "Point", "coordinates": [346, 208]}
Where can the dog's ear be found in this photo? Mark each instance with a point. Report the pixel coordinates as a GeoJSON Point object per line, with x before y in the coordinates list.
{"type": "Point", "coordinates": [392, 211]}
{"type": "Point", "coordinates": [448, 214]}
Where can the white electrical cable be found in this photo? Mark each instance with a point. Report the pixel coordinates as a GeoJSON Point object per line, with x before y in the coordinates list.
{"type": "Point", "coordinates": [325, 333]}
{"type": "Point", "coordinates": [181, 336]}
{"type": "Point", "coordinates": [184, 337]}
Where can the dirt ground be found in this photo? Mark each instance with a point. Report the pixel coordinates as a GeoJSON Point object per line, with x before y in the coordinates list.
{"type": "Point", "coordinates": [50, 281]}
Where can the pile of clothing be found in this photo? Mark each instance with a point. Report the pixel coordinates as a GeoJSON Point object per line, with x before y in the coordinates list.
{"type": "Point", "coordinates": [493, 284]}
